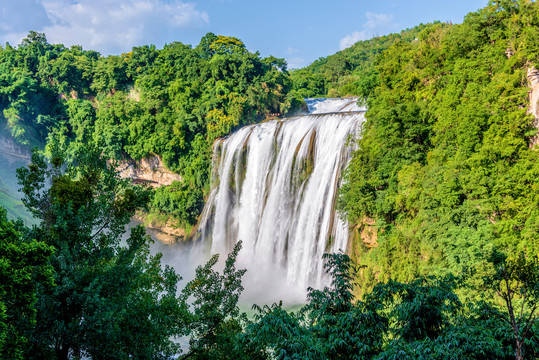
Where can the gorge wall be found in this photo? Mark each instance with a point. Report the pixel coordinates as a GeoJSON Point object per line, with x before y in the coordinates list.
{"type": "Point", "coordinates": [149, 170]}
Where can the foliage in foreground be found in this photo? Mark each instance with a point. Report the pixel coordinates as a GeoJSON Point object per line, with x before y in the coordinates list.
{"type": "Point", "coordinates": [216, 320]}
{"type": "Point", "coordinates": [93, 296]}
{"type": "Point", "coordinates": [24, 266]}
{"type": "Point", "coordinates": [109, 299]}
{"type": "Point", "coordinates": [423, 319]}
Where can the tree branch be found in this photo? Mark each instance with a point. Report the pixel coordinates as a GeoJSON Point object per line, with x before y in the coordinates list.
{"type": "Point", "coordinates": [523, 304]}
{"type": "Point", "coordinates": [500, 316]}
{"type": "Point", "coordinates": [531, 320]}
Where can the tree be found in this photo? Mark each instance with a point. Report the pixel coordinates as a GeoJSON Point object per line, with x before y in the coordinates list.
{"type": "Point", "coordinates": [109, 301]}
{"type": "Point", "coordinates": [428, 321]}
{"type": "Point", "coordinates": [216, 320]}
{"type": "Point", "coordinates": [24, 266]}
{"type": "Point", "coordinates": [31, 48]}
{"type": "Point", "coordinates": [280, 333]}
{"type": "Point", "coordinates": [34, 38]}
{"type": "Point", "coordinates": [344, 328]}
{"type": "Point", "coordinates": [227, 45]}
{"type": "Point", "coordinates": [330, 326]}
{"type": "Point", "coordinates": [203, 47]}
{"type": "Point", "coordinates": [420, 309]}
{"type": "Point", "coordinates": [516, 282]}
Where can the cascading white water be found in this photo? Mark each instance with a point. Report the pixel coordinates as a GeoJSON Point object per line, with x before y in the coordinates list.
{"type": "Point", "coordinates": [275, 186]}
{"type": "Point", "coordinates": [332, 105]}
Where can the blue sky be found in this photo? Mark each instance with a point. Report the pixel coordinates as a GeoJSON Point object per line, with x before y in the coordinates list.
{"type": "Point", "coordinates": [300, 31]}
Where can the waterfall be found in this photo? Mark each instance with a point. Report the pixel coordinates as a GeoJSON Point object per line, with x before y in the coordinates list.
{"type": "Point", "coordinates": [274, 187]}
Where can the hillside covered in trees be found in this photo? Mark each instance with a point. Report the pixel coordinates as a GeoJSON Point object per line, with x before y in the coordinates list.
{"type": "Point", "coordinates": [447, 165]}
{"type": "Point", "coordinates": [348, 71]}
{"type": "Point", "coordinates": [171, 102]}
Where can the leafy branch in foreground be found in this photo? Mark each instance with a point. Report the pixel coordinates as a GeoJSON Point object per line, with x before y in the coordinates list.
{"type": "Point", "coordinates": [109, 300]}
{"type": "Point", "coordinates": [216, 320]}
{"type": "Point", "coordinates": [24, 267]}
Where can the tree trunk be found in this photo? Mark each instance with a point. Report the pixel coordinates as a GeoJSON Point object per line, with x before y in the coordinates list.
{"type": "Point", "coordinates": [518, 350]}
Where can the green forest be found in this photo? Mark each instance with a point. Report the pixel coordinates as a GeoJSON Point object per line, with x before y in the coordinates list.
{"type": "Point", "coordinates": [173, 102]}
{"type": "Point", "coordinates": [440, 196]}
{"type": "Point", "coordinates": [447, 165]}
{"type": "Point", "coordinates": [71, 289]}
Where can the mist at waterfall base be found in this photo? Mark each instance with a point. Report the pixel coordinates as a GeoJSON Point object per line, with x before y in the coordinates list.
{"type": "Point", "coordinates": [274, 187]}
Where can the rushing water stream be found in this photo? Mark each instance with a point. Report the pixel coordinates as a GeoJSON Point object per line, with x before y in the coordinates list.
{"type": "Point", "coordinates": [274, 187]}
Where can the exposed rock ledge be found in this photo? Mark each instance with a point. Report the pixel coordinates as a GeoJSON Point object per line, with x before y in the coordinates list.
{"type": "Point", "coordinates": [150, 170]}
{"type": "Point", "coordinates": [166, 233]}
{"type": "Point", "coordinates": [13, 151]}
{"type": "Point", "coordinates": [153, 172]}
{"type": "Point", "coordinates": [533, 83]}
{"type": "Point", "coordinates": [363, 237]}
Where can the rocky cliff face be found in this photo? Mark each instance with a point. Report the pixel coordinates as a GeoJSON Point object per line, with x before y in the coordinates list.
{"type": "Point", "coordinates": [167, 233]}
{"type": "Point", "coordinates": [149, 170]}
{"type": "Point", "coordinates": [153, 172]}
{"type": "Point", "coordinates": [533, 83]}
{"type": "Point", "coordinates": [13, 151]}
{"type": "Point", "coordinates": [363, 236]}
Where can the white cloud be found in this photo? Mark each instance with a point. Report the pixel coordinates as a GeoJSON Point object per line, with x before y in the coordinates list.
{"type": "Point", "coordinates": [296, 62]}
{"type": "Point", "coordinates": [116, 26]}
{"type": "Point", "coordinates": [375, 21]}
{"type": "Point", "coordinates": [376, 24]}
{"type": "Point", "coordinates": [353, 38]}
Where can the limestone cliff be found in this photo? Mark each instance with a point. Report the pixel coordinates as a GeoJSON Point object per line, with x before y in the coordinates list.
{"type": "Point", "coordinates": [13, 151]}
{"type": "Point", "coordinates": [150, 170]}
{"type": "Point", "coordinates": [364, 236]}
{"type": "Point", "coordinates": [166, 232]}
{"type": "Point", "coordinates": [153, 172]}
{"type": "Point", "coordinates": [533, 83]}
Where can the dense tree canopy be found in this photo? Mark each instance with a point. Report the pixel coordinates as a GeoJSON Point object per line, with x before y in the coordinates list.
{"type": "Point", "coordinates": [172, 102]}
{"type": "Point", "coordinates": [108, 300]}
{"type": "Point", "coordinates": [24, 267]}
{"type": "Point", "coordinates": [446, 166]}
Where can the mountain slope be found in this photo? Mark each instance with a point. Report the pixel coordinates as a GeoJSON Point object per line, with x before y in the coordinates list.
{"type": "Point", "coordinates": [446, 168]}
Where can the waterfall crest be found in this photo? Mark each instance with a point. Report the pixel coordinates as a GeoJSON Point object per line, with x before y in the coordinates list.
{"type": "Point", "coordinates": [275, 186]}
